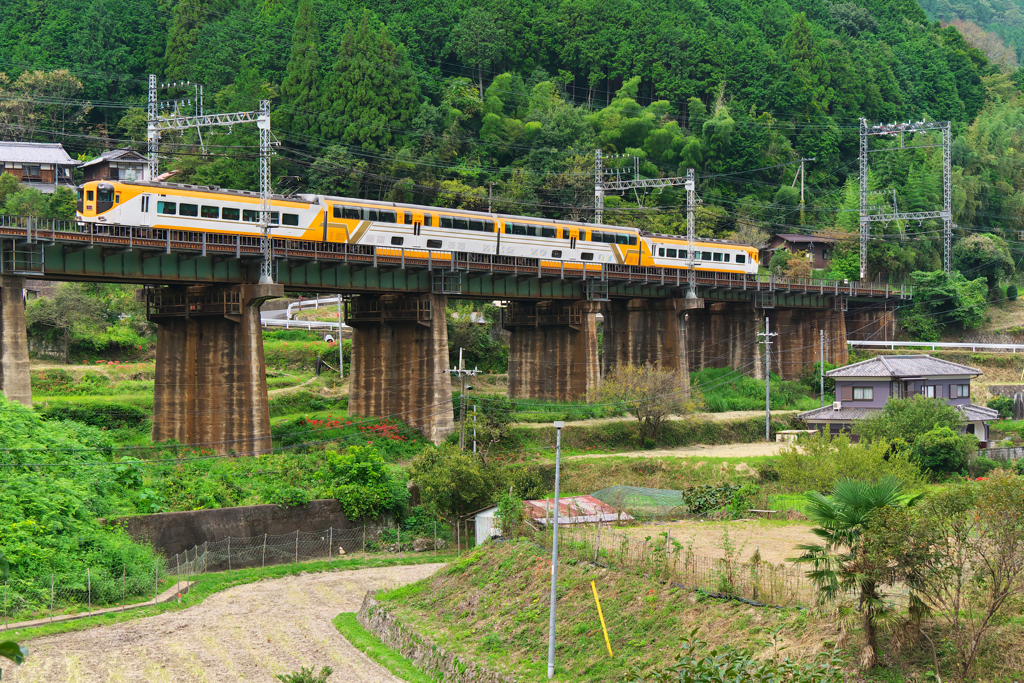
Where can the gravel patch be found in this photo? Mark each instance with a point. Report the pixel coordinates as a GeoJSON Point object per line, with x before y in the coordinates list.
{"type": "Point", "coordinates": [247, 633]}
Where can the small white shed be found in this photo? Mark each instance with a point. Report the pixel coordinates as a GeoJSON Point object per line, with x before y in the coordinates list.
{"type": "Point", "coordinates": [486, 525]}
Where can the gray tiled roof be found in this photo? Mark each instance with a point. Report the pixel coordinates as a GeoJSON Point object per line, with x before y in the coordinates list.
{"type": "Point", "coordinates": [35, 153]}
{"type": "Point", "coordinates": [124, 153]}
{"type": "Point", "coordinates": [902, 366]}
{"type": "Point", "coordinates": [971, 413]}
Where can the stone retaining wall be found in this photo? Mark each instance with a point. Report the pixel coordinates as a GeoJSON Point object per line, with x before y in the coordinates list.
{"type": "Point", "coordinates": [424, 655]}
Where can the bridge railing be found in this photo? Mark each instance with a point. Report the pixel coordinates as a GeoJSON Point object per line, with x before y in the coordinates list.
{"type": "Point", "coordinates": [143, 237]}
{"type": "Point", "coordinates": [892, 345]}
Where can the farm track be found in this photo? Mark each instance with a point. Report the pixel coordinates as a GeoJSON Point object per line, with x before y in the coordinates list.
{"type": "Point", "coordinates": [247, 633]}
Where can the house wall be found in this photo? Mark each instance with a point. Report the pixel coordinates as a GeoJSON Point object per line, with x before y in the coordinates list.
{"type": "Point", "coordinates": [882, 391]}
{"type": "Point", "coordinates": [880, 396]}
{"type": "Point", "coordinates": [103, 171]}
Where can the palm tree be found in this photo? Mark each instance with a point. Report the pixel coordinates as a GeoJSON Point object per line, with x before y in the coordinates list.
{"type": "Point", "coordinates": [840, 564]}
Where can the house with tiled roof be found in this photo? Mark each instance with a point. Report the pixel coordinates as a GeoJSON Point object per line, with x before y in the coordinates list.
{"type": "Point", "coordinates": [42, 165]}
{"type": "Point", "coordinates": [117, 164]}
{"type": "Point", "coordinates": [818, 249]}
{"type": "Point", "coordinates": [864, 388]}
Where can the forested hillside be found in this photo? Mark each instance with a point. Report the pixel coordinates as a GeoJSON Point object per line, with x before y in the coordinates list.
{"type": "Point", "coordinates": [446, 102]}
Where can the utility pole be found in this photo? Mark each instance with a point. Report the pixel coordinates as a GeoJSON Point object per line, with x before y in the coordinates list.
{"type": "Point", "coordinates": [767, 379]}
{"type": "Point", "coordinates": [691, 226]}
{"type": "Point", "coordinates": [601, 185]}
{"type": "Point", "coordinates": [801, 175]}
{"type": "Point", "coordinates": [463, 373]}
{"type": "Point", "coordinates": [341, 344]}
{"type": "Point", "coordinates": [898, 130]}
{"type": "Point", "coordinates": [598, 187]}
{"type": "Point", "coordinates": [490, 195]}
{"type": "Point", "coordinates": [822, 361]}
{"type": "Point", "coordinates": [554, 553]}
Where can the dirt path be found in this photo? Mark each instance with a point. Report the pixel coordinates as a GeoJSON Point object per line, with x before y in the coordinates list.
{"type": "Point", "coordinates": [714, 417]}
{"type": "Point", "coordinates": [732, 450]}
{"type": "Point", "coordinates": [248, 633]}
{"type": "Point", "coordinates": [284, 391]}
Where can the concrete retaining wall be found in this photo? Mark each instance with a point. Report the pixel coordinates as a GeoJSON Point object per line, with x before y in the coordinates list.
{"type": "Point", "coordinates": [424, 655]}
{"type": "Point", "coordinates": [175, 532]}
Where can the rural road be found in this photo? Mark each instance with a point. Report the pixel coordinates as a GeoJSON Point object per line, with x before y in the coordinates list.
{"type": "Point", "coordinates": [247, 633]}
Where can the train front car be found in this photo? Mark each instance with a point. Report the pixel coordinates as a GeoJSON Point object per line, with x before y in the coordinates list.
{"type": "Point", "coordinates": [672, 251]}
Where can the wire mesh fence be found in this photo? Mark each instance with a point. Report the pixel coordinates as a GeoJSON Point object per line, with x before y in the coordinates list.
{"type": "Point", "coordinates": [662, 556]}
{"type": "Point", "coordinates": [58, 595]}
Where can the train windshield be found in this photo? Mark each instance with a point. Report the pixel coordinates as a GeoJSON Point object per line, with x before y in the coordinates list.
{"type": "Point", "coordinates": [104, 195]}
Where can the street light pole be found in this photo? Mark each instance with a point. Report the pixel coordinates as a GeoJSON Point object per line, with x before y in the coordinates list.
{"type": "Point", "coordinates": [554, 552]}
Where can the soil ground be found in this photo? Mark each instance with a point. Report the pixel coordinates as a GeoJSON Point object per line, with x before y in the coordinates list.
{"type": "Point", "coordinates": [248, 633]}
{"type": "Point", "coordinates": [776, 541]}
{"type": "Point", "coordinates": [732, 450]}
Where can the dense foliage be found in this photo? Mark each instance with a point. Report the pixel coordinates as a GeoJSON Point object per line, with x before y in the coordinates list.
{"type": "Point", "coordinates": [815, 464]}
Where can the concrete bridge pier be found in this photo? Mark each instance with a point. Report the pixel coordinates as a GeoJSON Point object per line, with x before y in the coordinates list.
{"type": "Point", "coordinates": [14, 370]}
{"type": "Point", "coordinates": [553, 351]}
{"type": "Point", "coordinates": [639, 331]}
{"type": "Point", "coordinates": [797, 348]}
{"type": "Point", "coordinates": [211, 382]}
{"type": "Point", "coordinates": [399, 358]}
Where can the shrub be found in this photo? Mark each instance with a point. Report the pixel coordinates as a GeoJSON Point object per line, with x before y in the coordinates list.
{"type": "Point", "coordinates": [102, 415]}
{"type": "Point", "coordinates": [982, 466]}
{"type": "Point", "coordinates": [455, 482]}
{"type": "Point", "coordinates": [1011, 292]}
{"type": "Point", "coordinates": [815, 464]}
{"type": "Point", "coordinates": [361, 481]}
{"type": "Point", "coordinates": [649, 394]}
{"type": "Point", "coordinates": [305, 675]}
{"type": "Point", "coordinates": [1004, 404]}
{"type": "Point", "coordinates": [509, 516]}
{"type": "Point", "coordinates": [706, 498]}
{"type": "Point", "coordinates": [908, 418]}
{"type": "Point", "coordinates": [943, 450]}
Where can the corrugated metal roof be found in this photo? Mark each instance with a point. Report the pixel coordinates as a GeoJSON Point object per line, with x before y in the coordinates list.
{"type": "Point", "coordinates": [35, 153]}
{"type": "Point", "coordinates": [573, 510]}
{"type": "Point", "coordinates": [903, 366]}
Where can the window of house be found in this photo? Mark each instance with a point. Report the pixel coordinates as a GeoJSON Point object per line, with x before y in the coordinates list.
{"type": "Point", "coordinates": [290, 219]}
{"type": "Point", "coordinates": [397, 241]}
{"type": "Point", "coordinates": [230, 214]}
{"type": "Point", "coordinates": [863, 393]}
{"type": "Point", "coordinates": [209, 211]}
{"type": "Point", "coordinates": [960, 391]}
{"type": "Point", "coordinates": [31, 171]}
{"type": "Point", "coordinates": [741, 258]}
{"type": "Point", "coordinates": [433, 244]}
{"type": "Point", "coordinates": [931, 391]}
{"type": "Point", "coordinates": [167, 208]}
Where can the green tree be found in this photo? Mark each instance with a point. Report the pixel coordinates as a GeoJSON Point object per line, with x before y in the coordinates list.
{"type": "Point", "coordinates": [809, 76]}
{"type": "Point", "coordinates": [27, 202]}
{"type": "Point", "coordinates": [300, 90]}
{"type": "Point", "coordinates": [905, 419]}
{"type": "Point", "coordinates": [942, 300]}
{"type": "Point", "coordinates": [650, 394]}
{"type": "Point", "coordinates": [983, 255]}
{"type": "Point", "coordinates": [455, 482]}
{"type": "Point", "coordinates": [8, 186]}
{"type": "Point", "coordinates": [840, 563]}
{"type": "Point", "coordinates": [186, 25]}
{"type": "Point", "coordinates": [61, 204]}
{"type": "Point", "coordinates": [943, 450]}
{"type": "Point", "coordinates": [364, 485]}
{"type": "Point", "coordinates": [478, 40]}
{"type": "Point", "coordinates": [371, 90]}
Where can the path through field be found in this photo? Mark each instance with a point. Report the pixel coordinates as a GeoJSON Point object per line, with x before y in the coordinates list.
{"type": "Point", "coordinates": [248, 633]}
{"type": "Point", "coordinates": [729, 450]}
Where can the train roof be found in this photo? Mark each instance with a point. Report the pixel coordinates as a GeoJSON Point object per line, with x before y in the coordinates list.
{"type": "Point", "coordinates": [315, 199]}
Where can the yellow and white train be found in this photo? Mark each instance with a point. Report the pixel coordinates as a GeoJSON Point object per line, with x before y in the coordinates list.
{"type": "Point", "coordinates": [387, 226]}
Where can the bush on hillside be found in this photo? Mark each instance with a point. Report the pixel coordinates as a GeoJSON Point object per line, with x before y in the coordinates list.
{"type": "Point", "coordinates": [943, 450]}
{"type": "Point", "coordinates": [101, 415]}
{"type": "Point", "coordinates": [1011, 292]}
{"type": "Point", "coordinates": [363, 483]}
{"type": "Point", "coordinates": [455, 482]}
{"type": "Point", "coordinates": [815, 464]}
{"type": "Point", "coordinates": [1004, 404]}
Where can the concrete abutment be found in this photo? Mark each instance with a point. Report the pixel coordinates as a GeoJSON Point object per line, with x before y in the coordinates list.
{"type": "Point", "coordinates": [15, 380]}
{"type": "Point", "coordinates": [399, 358]}
{"type": "Point", "coordinates": [211, 382]}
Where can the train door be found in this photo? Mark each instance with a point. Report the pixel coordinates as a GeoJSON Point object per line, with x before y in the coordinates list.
{"type": "Point", "coordinates": [146, 208]}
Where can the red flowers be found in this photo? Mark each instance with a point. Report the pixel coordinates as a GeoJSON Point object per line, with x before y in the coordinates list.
{"type": "Point", "coordinates": [384, 430]}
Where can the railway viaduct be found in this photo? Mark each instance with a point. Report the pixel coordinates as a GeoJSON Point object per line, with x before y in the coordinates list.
{"type": "Point", "coordinates": [210, 376]}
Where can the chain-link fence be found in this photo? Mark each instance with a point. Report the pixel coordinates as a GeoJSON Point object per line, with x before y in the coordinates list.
{"type": "Point", "coordinates": [58, 595]}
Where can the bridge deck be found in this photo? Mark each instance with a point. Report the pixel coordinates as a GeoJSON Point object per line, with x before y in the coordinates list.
{"type": "Point", "coordinates": [47, 249]}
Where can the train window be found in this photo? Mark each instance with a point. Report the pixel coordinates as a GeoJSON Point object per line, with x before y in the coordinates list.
{"type": "Point", "coordinates": [488, 226]}
{"type": "Point", "coordinates": [476, 226]}
{"type": "Point", "coordinates": [389, 216]}
{"type": "Point", "coordinates": [548, 232]}
{"type": "Point", "coordinates": [556, 254]}
{"type": "Point", "coordinates": [397, 241]}
{"type": "Point", "coordinates": [188, 209]}
{"type": "Point", "coordinates": [621, 238]}
{"type": "Point", "coordinates": [587, 256]}
{"type": "Point", "coordinates": [532, 230]}
{"type": "Point", "coordinates": [741, 258]}
{"type": "Point", "coordinates": [632, 240]}
{"type": "Point", "coordinates": [275, 217]}
{"type": "Point", "coordinates": [518, 229]}
{"type": "Point", "coordinates": [230, 214]}
{"type": "Point", "coordinates": [105, 196]}
{"type": "Point", "coordinates": [337, 211]}
{"type": "Point", "coordinates": [566, 234]}
{"type": "Point", "coordinates": [609, 238]}
{"type": "Point", "coordinates": [117, 198]}
{"type": "Point", "coordinates": [290, 219]}
{"type": "Point", "coordinates": [351, 213]}
{"type": "Point", "coordinates": [88, 195]}
{"type": "Point", "coordinates": [433, 244]}
{"type": "Point", "coordinates": [718, 256]}
{"type": "Point", "coordinates": [661, 252]}
{"type": "Point", "coordinates": [209, 211]}
{"type": "Point", "coordinates": [427, 219]}
{"type": "Point", "coordinates": [706, 256]}
{"type": "Point", "coordinates": [371, 215]}
{"type": "Point", "coordinates": [595, 236]}
{"type": "Point", "coordinates": [446, 222]}
{"type": "Point", "coordinates": [682, 253]}
{"type": "Point", "coordinates": [168, 208]}
{"type": "Point", "coordinates": [671, 253]}
{"type": "Point", "coordinates": [726, 258]}
{"type": "Point", "coordinates": [250, 216]}
{"type": "Point", "coordinates": [408, 218]}
{"type": "Point", "coordinates": [460, 224]}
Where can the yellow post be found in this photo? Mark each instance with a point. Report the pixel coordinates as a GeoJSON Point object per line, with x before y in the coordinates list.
{"type": "Point", "coordinates": [601, 615]}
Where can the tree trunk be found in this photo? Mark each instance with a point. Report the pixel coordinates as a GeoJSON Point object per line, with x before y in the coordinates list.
{"type": "Point", "coordinates": [869, 652]}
